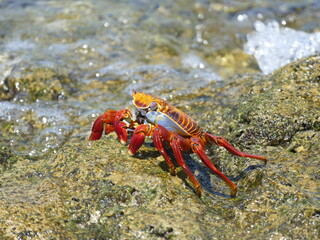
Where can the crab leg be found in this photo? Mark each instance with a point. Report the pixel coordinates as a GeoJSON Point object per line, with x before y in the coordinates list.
{"type": "Point", "coordinates": [220, 141]}
{"type": "Point", "coordinates": [197, 147]}
{"type": "Point", "coordinates": [178, 145]}
{"type": "Point", "coordinates": [159, 135]}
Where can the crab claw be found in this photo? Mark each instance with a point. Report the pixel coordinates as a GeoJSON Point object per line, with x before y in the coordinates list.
{"type": "Point", "coordinates": [117, 121]}
{"type": "Point", "coordinates": [121, 129]}
{"type": "Point", "coordinates": [121, 122]}
{"type": "Point", "coordinates": [138, 137]}
{"type": "Point", "coordinates": [97, 129]}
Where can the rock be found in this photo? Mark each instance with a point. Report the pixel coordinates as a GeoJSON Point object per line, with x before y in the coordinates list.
{"type": "Point", "coordinates": [36, 84]}
{"type": "Point", "coordinates": [94, 190]}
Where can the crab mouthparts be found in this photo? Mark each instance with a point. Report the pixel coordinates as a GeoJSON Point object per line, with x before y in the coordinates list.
{"type": "Point", "coordinates": [141, 115]}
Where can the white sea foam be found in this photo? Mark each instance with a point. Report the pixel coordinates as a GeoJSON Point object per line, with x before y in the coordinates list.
{"type": "Point", "coordinates": [274, 46]}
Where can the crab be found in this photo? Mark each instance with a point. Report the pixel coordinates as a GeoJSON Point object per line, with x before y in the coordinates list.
{"type": "Point", "coordinates": [168, 127]}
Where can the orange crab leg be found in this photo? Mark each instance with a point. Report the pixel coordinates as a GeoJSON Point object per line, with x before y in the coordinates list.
{"type": "Point", "coordinates": [197, 147]}
{"type": "Point", "coordinates": [176, 147]}
{"type": "Point", "coordinates": [159, 135]}
{"type": "Point", "coordinates": [220, 141]}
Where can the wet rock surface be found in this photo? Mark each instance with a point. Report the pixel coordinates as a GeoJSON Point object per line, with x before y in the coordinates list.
{"type": "Point", "coordinates": [33, 84]}
{"type": "Point", "coordinates": [94, 190]}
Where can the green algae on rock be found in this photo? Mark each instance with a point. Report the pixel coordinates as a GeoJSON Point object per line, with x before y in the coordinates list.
{"type": "Point", "coordinates": [285, 103]}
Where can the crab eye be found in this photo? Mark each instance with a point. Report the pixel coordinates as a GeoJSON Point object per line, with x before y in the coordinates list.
{"type": "Point", "coordinates": [153, 106]}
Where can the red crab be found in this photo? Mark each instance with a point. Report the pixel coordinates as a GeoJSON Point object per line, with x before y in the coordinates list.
{"type": "Point", "coordinates": [168, 126]}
